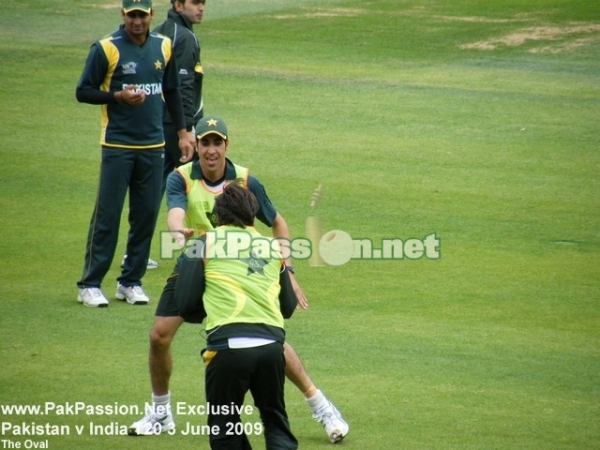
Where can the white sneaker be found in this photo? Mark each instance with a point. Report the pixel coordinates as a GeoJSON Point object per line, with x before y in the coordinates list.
{"type": "Point", "coordinates": [149, 266]}
{"type": "Point", "coordinates": [133, 294]}
{"type": "Point", "coordinates": [92, 297]}
{"type": "Point", "coordinates": [150, 425]}
{"type": "Point", "coordinates": [331, 419]}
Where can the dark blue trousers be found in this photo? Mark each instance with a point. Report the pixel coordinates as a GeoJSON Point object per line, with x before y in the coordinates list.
{"type": "Point", "coordinates": [139, 172]}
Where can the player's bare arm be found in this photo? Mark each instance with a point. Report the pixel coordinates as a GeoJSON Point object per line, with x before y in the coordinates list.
{"type": "Point", "coordinates": [175, 218]}
{"type": "Point", "coordinates": [280, 229]}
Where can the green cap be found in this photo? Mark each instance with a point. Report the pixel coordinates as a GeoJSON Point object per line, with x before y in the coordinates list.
{"type": "Point", "coordinates": [137, 5]}
{"type": "Point", "coordinates": [211, 124]}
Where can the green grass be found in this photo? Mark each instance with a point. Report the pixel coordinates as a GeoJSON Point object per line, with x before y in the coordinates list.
{"type": "Point", "coordinates": [410, 130]}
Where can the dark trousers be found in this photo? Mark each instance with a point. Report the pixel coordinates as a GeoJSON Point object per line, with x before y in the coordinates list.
{"type": "Point", "coordinates": [260, 370]}
{"type": "Point", "coordinates": [140, 172]}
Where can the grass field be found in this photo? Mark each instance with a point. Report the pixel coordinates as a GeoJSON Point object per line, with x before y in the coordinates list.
{"type": "Point", "coordinates": [475, 120]}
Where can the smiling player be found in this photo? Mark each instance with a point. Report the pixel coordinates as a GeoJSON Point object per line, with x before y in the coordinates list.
{"type": "Point", "coordinates": [191, 192]}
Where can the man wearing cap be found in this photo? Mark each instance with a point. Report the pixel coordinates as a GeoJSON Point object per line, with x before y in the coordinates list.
{"type": "Point", "coordinates": [128, 73]}
{"type": "Point", "coordinates": [191, 192]}
{"type": "Point", "coordinates": [186, 50]}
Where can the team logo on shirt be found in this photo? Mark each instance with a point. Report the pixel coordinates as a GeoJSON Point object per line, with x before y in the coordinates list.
{"type": "Point", "coordinates": [254, 264]}
{"type": "Point", "coordinates": [129, 68]}
{"type": "Point", "coordinates": [158, 65]}
{"type": "Point", "coordinates": [148, 88]}
{"type": "Point", "coordinates": [212, 215]}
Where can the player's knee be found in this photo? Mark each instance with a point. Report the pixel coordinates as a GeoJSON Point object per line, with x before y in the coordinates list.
{"type": "Point", "coordinates": [162, 334]}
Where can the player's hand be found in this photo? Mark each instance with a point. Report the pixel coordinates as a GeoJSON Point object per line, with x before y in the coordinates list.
{"type": "Point", "coordinates": [182, 235]}
{"type": "Point", "coordinates": [188, 155]}
{"type": "Point", "coordinates": [302, 302]}
{"type": "Point", "coordinates": [132, 95]}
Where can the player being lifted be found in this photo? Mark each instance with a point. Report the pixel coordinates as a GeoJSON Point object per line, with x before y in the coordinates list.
{"type": "Point", "coordinates": [191, 191]}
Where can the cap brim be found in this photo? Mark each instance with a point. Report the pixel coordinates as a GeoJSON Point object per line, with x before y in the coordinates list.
{"type": "Point", "coordinates": [206, 133]}
{"type": "Point", "coordinates": [137, 8]}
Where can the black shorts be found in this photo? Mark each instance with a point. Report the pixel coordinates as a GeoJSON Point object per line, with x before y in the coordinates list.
{"type": "Point", "coordinates": [179, 294]}
{"type": "Point", "coordinates": [166, 305]}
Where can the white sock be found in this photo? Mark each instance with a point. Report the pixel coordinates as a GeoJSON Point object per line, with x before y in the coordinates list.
{"type": "Point", "coordinates": [161, 404]}
{"type": "Point", "coordinates": [317, 401]}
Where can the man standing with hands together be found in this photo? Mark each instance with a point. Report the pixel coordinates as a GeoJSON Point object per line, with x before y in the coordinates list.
{"type": "Point", "coordinates": [128, 73]}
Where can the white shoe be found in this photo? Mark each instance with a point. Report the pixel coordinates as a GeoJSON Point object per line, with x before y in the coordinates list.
{"type": "Point", "coordinates": [149, 266]}
{"type": "Point", "coordinates": [133, 294]}
{"type": "Point", "coordinates": [92, 297]}
{"type": "Point", "coordinates": [331, 419]}
{"type": "Point", "coordinates": [150, 425]}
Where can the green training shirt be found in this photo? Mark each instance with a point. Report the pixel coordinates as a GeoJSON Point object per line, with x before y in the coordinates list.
{"type": "Point", "coordinates": [243, 289]}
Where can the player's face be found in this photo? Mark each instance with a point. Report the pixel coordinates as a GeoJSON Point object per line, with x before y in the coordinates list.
{"type": "Point", "coordinates": [211, 152]}
{"type": "Point", "coordinates": [192, 9]}
{"type": "Point", "coordinates": [137, 23]}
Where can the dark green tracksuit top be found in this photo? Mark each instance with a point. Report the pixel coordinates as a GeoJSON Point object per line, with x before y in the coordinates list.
{"type": "Point", "coordinates": [115, 62]}
{"type": "Point", "coordinates": [186, 50]}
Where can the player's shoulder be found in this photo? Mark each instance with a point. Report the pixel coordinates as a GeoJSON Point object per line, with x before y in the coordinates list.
{"type": "Point", "coordinates": [175, 186]}
{"type": "Point", "coordinates": [176, 175]}
{"type": "Point", "coordinates": [114, 35]}
{"type": "Point", "coordinates": [104, 47]}
{"type": "Point", "coordinates": [160, 37]}
{"type": "Point", "coordinates": [165, 28]}
{"type": "Point", "coordinates": [254, 185]}
{"type": "Point", "coordinates": [155, 35]}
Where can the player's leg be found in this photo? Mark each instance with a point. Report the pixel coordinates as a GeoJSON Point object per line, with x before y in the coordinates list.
{"type": "Point", "coordinates": [266, 387]}
{"type": "Point", "coordinates": [168, 166]}
{"type": "Point", "coordinates": [226, 380]}
{"type": "Point", "coordinates": [160, 364]}
{"type": "Point", "coordinates": [295, 372]}
{"type": "Point", "coordinates": [323, 410]}
{"type": "Point", "coordinates": [115, 172]}
{"type": "Point", "coordinates": [144, 203]}
{"type": "Point", "coordinates": [160, 360]}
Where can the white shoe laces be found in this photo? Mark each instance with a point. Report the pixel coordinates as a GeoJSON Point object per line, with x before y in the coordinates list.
{"type": "Point", "coordinates": [137, 290]}
{"type": "Point", "coordinates": [94, 292]}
